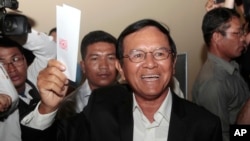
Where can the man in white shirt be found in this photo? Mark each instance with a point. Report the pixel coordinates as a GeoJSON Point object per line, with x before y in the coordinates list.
{"type": "Point", "coordinates": [98, 50]}
{"type": "Point", "coordinates": [24, 77]}
{"type": "Point", "coordinates": [9, 114]}
{"type": "Point", "coordinates": [145, 108]}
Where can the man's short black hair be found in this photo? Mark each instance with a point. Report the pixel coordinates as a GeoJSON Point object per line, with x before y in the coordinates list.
{"type": "Point", "coordinates": [6, 42]}
{"type": "Point", "coordinates": [52, 30]}
{"type": "Point", "coordinates": [94, 37]}
{"type": "Point", "coordinates": [136, 26]}
{"type": "Point", "coordinates": [217, 20]}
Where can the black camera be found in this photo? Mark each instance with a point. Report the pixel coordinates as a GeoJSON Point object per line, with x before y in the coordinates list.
{"type": "Point", "coordinates": [12, 4]}
{"type": "Point", "coordinates": [12, 24]}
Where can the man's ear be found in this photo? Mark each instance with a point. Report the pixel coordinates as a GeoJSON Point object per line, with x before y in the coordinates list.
{"type": "Point", "coordinates": [120, 70]}
{"type": "Point", "coordinates": [216, 37]}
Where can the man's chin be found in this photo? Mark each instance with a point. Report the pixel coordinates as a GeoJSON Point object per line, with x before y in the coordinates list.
{"type": "Point", "coordinates": [18, 84]}
{"type": "Point", "coordinates": [103, 84]}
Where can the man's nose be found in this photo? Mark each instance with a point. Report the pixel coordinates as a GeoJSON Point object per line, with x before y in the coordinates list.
{"type": "Point", "coordinates": [150, 60]}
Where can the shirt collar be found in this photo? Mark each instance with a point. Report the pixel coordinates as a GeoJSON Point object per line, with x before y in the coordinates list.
{"type": "Point", "coordinates": [165, 108]}
{"type": "Point", "coordinates": [85, 89]}
{"type": "Point", "coordinates": [230, 67]}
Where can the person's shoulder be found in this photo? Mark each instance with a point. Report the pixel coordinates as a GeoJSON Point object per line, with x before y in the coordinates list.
{"type": "Point", "coordinates": [112, 90]}
{"type": "Point", "coordinates": [193, 110]}
{"type": "Point", "coordinates": [72, 121]}
{"type": "Point", "coordinates": [114, 94]}
{"type": "Point", "coordinates": [68, 128]}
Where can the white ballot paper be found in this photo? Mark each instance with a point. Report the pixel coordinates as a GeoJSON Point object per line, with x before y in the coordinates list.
{"type": "Point", "coordinates": [68, 29]}
{"type": "Point", "coordinates": [7, 87]}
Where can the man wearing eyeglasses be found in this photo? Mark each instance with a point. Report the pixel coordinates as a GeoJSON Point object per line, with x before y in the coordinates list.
{"type": "Point", "coordinates": [146, 108]}
{"type": "Point", "coordinates": [219, 87]}
{"type": "Point", "coordinates": [24, 77]}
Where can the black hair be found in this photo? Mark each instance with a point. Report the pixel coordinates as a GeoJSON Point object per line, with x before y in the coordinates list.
{"type": "Point", "coordinates": [6, 42]}
{"type": "Point", "coordinates": [94, 37]}
{"type": "Point", "coordinates": [52, 30]}
{"type": "Point", "coordinates": [136, 26]}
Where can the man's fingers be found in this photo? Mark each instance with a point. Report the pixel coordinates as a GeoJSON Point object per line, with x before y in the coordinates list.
{"type": "Point", "coordinates": [56, 64]}
{"type": "Point", "coordinates": [5, 102]}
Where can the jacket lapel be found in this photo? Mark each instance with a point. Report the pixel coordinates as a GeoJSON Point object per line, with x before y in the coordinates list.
{"type": "Point", "coordinates": [177, 125]}
{"type": "Point", "coordinates": [125, 118]}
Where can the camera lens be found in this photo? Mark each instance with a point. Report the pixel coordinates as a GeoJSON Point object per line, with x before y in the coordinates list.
{"type": "Point", "coordinates": [10, 25]}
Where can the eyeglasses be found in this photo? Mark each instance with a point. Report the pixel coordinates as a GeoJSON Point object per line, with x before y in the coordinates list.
{"type": "Point", "coordinates": [137, 56]}
{"type": "Point", "coordinates": [239, 34]}
{"type": "Point", "coordinates": [16, 61]}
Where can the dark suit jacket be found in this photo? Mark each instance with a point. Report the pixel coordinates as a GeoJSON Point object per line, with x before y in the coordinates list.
{"type": "Point", "coordinates": [109, 117]}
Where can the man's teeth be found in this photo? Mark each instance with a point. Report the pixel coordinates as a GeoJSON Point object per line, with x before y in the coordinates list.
{"type": "Point", "coordinates": [150, 76]}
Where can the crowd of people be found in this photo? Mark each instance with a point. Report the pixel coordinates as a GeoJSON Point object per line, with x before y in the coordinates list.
{"type": "Point", "coordinates": [129, 91]}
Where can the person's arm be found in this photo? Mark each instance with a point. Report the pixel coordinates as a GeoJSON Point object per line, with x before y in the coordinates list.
{"type": "Point", "coordinates": [213, 96]}
{"type": "Point", "coordinates": [44, 48]}
{"type": "Point", "coordinates": [8, 94]}
{"type": "Point", "coordinates": [52, 85]}
{"type": "Point", "coordinates": [229, 4]}
{"type": "Point", "coordinates": [211, 4]}
{"type": "Point", "coordinates": [244, 114]}
{"type": "Point", "coordinates": [38, 121]}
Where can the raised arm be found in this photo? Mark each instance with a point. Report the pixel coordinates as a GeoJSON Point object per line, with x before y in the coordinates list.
{"type": "Point", "coordinates": [211, 4]}
{"type": "Point", "coordinates": [44, 48]}
{"type": "Point", "coordinates": [52, 85]}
